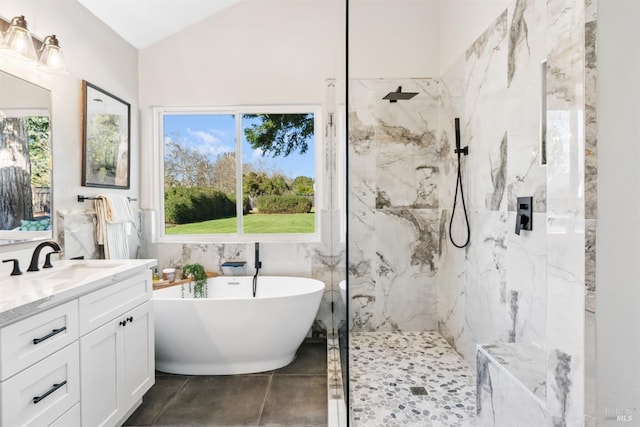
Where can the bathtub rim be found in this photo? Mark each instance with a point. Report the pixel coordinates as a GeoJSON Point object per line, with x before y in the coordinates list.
{"type": "Point", "coordinates": [319, 286]}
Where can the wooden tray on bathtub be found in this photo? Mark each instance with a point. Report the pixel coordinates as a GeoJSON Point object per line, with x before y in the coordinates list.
{"type": "Point", "coordinates": [166, 284]}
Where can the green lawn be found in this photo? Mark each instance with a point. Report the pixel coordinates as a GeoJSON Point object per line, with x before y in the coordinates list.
{"type": "Point", "coordinates": [253, 224]}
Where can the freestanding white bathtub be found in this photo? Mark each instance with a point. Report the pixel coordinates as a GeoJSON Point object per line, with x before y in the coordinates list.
{"type": "Point", "coordinates": [231, 332]}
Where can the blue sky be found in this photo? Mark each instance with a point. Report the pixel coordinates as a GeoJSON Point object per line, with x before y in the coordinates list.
{"type": "Point", "coordinates": [213, 134]}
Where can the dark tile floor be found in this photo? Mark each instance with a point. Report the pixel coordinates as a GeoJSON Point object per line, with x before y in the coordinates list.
{"type": "Point", "coordinates": [295, 395]}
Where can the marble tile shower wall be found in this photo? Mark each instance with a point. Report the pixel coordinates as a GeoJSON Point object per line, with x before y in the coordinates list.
{"type": "Point", "coordinates": [591, 175]}
{"type": "Point", "coordinates": [495, 289]}
{"type": "Point", "coordinates": [395, 167]}
{"type": "Point", "coordinates": [528, 288]}
{"type": "Point", "coordinates": [566, 209]}
{"type": "Point", "coordinates": [502, 287]}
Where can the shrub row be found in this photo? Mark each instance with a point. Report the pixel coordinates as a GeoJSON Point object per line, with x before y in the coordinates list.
{"type": "Point", "coordinates": [283, 204]}
{"type": "Point", "coordinates": [186, 205]}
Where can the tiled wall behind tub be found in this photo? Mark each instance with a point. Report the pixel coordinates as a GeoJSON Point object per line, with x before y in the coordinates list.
{"type": "Point", "coordinates": [315, 260]}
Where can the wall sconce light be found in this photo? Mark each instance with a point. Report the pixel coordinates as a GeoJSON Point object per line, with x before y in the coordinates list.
{"type": "Point", "coordinates": [51, 59]}
{"type": "Point", "coordinates": [17, 41]}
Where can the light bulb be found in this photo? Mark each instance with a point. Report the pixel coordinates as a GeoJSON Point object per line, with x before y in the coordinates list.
{"type": "Point", "coordinates": [17, 41]}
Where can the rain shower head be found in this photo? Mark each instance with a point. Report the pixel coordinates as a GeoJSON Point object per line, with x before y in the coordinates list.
{"type": "Point", "coordinates": [399, 95]}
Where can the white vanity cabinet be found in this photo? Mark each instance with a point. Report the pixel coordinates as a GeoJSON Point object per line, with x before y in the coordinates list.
{"type": "Point", "coordinates": [85, 361]}
{"type": "Point", "coordinates": [116, 350]}
{"type": "Point", "coordinates": [39, 367]}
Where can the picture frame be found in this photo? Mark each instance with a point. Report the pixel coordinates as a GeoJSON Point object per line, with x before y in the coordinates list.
{"type": "Point", "coordinates": [106, 139]}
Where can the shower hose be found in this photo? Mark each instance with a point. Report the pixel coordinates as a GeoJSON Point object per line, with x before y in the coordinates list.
{"type": "Point", "coordinates": [455, 197]}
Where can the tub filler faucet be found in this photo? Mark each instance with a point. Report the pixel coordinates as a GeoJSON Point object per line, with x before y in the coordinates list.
{"type": "Point", "coordinates": [258, 266]}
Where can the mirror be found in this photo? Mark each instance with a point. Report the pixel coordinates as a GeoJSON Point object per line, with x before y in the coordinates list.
{"type": "Point", "coordinates": [25, 161]}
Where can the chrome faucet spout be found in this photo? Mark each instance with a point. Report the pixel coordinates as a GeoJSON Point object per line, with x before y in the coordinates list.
{"type": "Point", "coordinates": [35, 258]}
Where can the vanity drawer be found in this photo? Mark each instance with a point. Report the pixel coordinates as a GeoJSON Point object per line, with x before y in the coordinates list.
{"type": "Point", "coordinates": [34, 338]}
{"type": "Point", "coordinates": [39, 395]}
{"type": "Point", "coordinates": [103, 305]}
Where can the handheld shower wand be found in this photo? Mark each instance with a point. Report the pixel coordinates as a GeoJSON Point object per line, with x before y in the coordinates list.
{"type": "Point", "coordinates": [258, 266]}
{"type": "Point", "coordinates": [459, 151]}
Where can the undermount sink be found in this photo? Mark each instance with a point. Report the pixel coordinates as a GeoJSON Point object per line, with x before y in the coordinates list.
{"type": "Point", "coordinates": [77, 270]}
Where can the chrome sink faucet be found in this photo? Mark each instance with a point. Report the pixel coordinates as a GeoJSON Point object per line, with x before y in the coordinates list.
{"type": "Point", "coordinates": [35, 258]}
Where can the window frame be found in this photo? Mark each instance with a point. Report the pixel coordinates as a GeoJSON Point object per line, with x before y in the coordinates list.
{"type": "Point", "coordinates": [320, 173]}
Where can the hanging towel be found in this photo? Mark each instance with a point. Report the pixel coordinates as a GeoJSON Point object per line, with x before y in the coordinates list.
{"type": "Point", "coordinates": [114, 224]}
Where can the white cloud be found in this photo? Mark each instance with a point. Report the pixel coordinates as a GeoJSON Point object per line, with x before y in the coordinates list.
{"type": "Point", "coordinates": [257, 154]}
{"type": "Point", "coordinates": [213, 151]}
{"type": "Point", "coordinates": [209, 143]}
{"type": "Point", "coordinates": [206, 137]}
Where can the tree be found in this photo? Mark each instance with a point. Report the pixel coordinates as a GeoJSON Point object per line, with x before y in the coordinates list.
{"type": "Point", "coordinates": [253, 184]}
{"type": "Point", "coordinates": [185, 167]}
{"type": "Point", "coordinates": [276, 185]}
{"type": "Point", "coordinates": [224, 173]}
{"type": "Point", "coordinates": [302, 186]}
{"type": "Point", "coordinates": [106, 154]}
{"type": "Point", "coordinates": [39, 151]}
{"type": "Point", "coordinates": [280, 134]}
{"type": "Point", "coordinates": [15, 173]}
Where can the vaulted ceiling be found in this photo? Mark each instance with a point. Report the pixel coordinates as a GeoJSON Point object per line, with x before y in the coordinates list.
{"type": "Point", "coordinates": [144, 22]}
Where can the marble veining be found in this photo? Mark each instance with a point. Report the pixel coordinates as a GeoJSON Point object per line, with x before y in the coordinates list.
{"type": "Point", "coordinates": [518, 37]}
{"type": "Point", "coordinates": [498, 176]}
{"type": "Point", "coordinates": [484, 124]}
{"type": "Point", "coordinates": [562, 386]}
{"type": "Point", "coordinates": [510, 386]}
{"type": "Point", "coordinates": [566, 209]}
{"type": "Point", "coordinates": [525, 362]}
{"type": "Point", "coordinates": [76, 234]}
{"type": "Point", "coordinates": [395, 160]}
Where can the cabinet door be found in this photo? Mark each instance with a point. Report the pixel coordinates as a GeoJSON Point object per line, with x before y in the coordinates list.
{"type": "Point", "coordinates": [101, 358]}
{"type": "Point", "coordinates": [139, 360]}
{"type": "Point", "coordinates": [71, 418]}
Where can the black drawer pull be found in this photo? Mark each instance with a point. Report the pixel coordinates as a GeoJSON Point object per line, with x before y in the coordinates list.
{"type": "Point", "coordinates": [46, 337]}
{"type": "Point", "coordinates": [54, 388]}
{"type": "Point", "coordinates": [130, 319]}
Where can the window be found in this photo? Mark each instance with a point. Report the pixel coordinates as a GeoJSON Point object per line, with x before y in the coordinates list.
{"type": "Point", "coordinates": [239, 172]}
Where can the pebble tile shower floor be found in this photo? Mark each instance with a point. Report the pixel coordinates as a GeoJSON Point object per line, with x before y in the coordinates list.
{"type": "Point", "coordinates": [409, 379]}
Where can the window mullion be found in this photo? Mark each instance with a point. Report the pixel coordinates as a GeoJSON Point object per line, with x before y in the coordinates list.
{"type": "Point", "coordinates": [239, 201]}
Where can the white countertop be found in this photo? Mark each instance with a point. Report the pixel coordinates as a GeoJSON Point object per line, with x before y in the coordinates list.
{"type": "Point", "coordinates": [27, 294]}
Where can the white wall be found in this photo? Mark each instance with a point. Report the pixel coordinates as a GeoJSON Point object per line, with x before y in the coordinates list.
{"type": "Point", "coordinates": [461, 22]}
{"type": "Point", "coordinates": [276, 52]}
{"type": "Point", "coordinates": [617, 273]}
{"type": "Point", "coordinates": [92, 52]}
{"type": "Point", "coordinates": [256, 52]}
{"type": "Point", "coordinates": [393, 38]}
{"type": "Point", "coordinates": [414, 38]}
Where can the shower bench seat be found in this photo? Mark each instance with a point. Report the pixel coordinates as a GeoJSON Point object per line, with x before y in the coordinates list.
{"type": "Point", "coordinates": [511, 383]}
